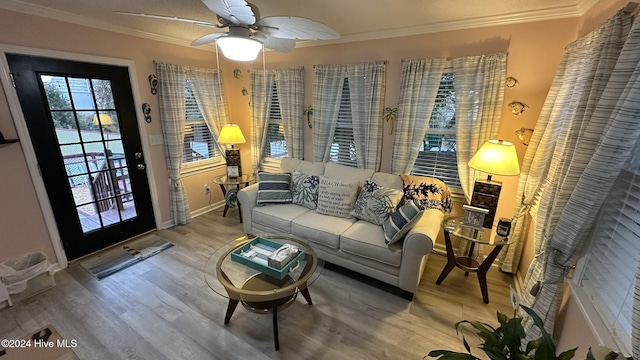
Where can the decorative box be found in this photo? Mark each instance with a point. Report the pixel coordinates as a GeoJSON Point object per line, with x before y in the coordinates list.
{"type": "Point", "coordinates": [255, 254]}
{"type": "Point", "coordinates": [474, 217]}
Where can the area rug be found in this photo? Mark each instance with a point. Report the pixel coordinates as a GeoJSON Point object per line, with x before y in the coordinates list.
{"type": "Point", "coordinates": [120, 257]}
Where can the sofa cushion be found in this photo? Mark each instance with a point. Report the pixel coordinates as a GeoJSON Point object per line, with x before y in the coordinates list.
{"type": "Point", "coordinates": [433, 193]}
{"type": "Point", "coordinates": [277, 217]}
{"type": "Point", "coordinates": [401, 221]}
{"type": "Point", "coordinates": [305, 167]}
{"type": "Point", "coordinates": [388, 180]}
{"type": "Point", "coordinates": [367, 240]}
{"type": "Point", "coordinates": [305, 189]}
{"type": "Point", "coordinates": [336, 196]}
{"type": "Point", "coordinates": [274, 188]}
{"type": "Point", "coordinates": [375, 203]}
{"type": "Point", "coordinates": [342, 172]}
{"type": "Point", "coordinates": [321, 229]}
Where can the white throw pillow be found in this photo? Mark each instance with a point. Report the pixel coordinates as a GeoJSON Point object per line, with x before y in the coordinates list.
{"type": "Point", "coordinates": [336, 197]}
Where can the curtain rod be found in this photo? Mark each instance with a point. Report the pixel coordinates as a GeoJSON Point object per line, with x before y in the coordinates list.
{"type": "Point", "coordinates": [385, 62]}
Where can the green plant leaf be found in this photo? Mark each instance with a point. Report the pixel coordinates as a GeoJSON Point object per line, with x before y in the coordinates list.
{"type": "Point", "coordinates": [547, 348]}
{"type": "Point", "coordinates": [569, 354]}
{"type": "Point", "coordinates": [451, 355]}
{"type": "Point", "coordinates": [611, 356]}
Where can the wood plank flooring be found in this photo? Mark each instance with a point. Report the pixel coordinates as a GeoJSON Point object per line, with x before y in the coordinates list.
{"type": "Point", "coordinates": [162, 308]}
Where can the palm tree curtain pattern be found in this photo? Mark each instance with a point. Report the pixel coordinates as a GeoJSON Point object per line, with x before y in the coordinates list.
{"type": "Point", "coordinates": [366, 86]}
{"type": "Point", "coordinates": [419, 85]}
{"type": "Point", "coordinates": [596, 133]}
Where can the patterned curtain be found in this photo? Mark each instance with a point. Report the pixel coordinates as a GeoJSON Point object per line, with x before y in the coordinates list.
{"type": "Point", "coordinates": [290, 87]}
{"type": "Point", "coordinates": [327, 93]}
{"type": "Point", "coordinates": [207, 89]}
{"type": "Point", "coordinates": [419, 85]}
{"type": "Point", "coordinates": [261, 86]}
{"type": "Point", "coordinates": [479, 86]}
{"type": "Point", "coordinates": [366, 89]}
{"type": "Point", "coordinates": [171, 98]}
{"type": "Point", "coordinates": [597, 107]}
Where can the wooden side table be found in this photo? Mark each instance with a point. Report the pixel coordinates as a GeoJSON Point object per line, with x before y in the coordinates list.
{"type": "Point", "coordinates": [228, 184]}
{"type": "Point", "coordinates": [453, 226]}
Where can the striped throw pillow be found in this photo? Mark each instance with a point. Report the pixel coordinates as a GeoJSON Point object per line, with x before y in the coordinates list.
{"type": "Point", "coordinates": [400, 222]}
{"type": "Point", "coordinates": [274, 188]}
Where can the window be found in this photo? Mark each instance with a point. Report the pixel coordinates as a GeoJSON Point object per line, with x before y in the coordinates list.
{"type": "Point", "coordinates": [437, 156]}
{"type": "Point", "coordinates": [275, 147]}
{"type": "Point", "coordinates": [200, 148]}
{"type": "Point", "coordinates": [607, 271]}
{"type": "Point", "coordinates": [343, 149]}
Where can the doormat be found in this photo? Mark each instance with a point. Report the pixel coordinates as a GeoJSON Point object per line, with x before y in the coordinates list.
{"type": "Point", "coordinates": [121, 257]}
{"type": "Point", "coordinates": [44, 344]}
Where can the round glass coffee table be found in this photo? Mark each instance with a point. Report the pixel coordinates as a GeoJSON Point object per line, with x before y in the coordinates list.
{"type": "Point", "coordinates": [257, 291]}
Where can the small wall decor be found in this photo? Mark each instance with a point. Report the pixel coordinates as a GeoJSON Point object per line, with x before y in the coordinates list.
{"type": "Point", "coordinates": [511, 82]}
{"type": "Point", "coordinates": [146, 110]}
{"type": "Point", "coordinates": [518, 107]}
{"type": "Point", "coordinates": [237, 73]}
{"type": "Point", "coordinates": [389, 116]}
{"type": "Point", "coordinates": [153, 84]}
{"type": "Point", "coordinates": [308, 111]}
{"type": "Point", "coordinates": [524, 135]}
{"type": "Point", "coordinates": [245, 92]}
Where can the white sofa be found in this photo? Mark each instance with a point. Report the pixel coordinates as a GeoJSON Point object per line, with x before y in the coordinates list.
{"type": "Point", "coordinates": [351, 243]}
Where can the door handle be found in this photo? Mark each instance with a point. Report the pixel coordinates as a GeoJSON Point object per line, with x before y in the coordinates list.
{"type": "Point", "coordinates": [141, 167]}
{"type": "Point", "coordinates": [138, 155]}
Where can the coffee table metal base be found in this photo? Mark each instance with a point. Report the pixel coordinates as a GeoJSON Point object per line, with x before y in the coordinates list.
{"type": "Point", "coordinates": [266, 307]}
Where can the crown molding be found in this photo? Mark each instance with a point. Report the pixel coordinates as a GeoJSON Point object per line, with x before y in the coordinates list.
{"type": "Point", "coordinates": [561, 12]}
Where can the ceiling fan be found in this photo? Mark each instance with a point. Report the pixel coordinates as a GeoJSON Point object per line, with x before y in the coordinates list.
{"type": "Point", "coordinates": [248, 33]}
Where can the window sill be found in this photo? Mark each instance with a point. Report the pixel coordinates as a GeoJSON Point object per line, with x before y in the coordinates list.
{"type": "Point", "coordinates": [198, 169]}
{"type": "Point", "coordinates": [270, 165]}
{"type": "Point", "coordinates": [597, 326]}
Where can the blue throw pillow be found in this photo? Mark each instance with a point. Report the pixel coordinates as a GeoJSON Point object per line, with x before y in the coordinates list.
{"type": "Point", "coordinates": [305, 189]}
{"type": "Point", "coordinates": [274, 188]}
{"type": "Point", "coordinates": [400, 222]}
{"type": "Point", "coordinates": [375, 203]}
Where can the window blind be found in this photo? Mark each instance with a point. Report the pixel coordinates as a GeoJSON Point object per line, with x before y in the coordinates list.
{"type": "Point", "coordinates": [609, 270]}
{"type": "Point", "coordinates": [437, 156]}
{"type": "Point", "coordinates": [199, 143]}
{"type": "Point", "coordinates": [275, 146]}
{"type": "Point", "coordinates": [343, 150]}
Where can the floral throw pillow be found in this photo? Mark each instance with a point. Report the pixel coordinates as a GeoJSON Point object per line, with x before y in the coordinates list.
{"type": "Point", "coordinates": [431, 192]}
{"type": "Point", "coordinates": [375, 203]}
{"type": "Point", "coordinates": [305, 189]}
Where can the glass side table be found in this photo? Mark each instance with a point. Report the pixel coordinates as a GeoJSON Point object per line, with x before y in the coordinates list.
{"type": "Point", "coordinates": [453, 226]}
{"type": "Point", "coordinates": [230, 187]}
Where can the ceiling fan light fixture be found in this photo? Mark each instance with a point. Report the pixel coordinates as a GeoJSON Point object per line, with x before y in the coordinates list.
{"type": "Point", "coordinates": [239, 48]}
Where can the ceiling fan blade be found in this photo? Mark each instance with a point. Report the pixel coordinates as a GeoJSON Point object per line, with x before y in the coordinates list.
{"type": "Point", "coordinates": [296, 28]}
{"type": "Point", "coordinates": [236, 11]}
{"type": "Point", "coordinates": [274, 43]}
{"type": "Point", "coordinates": [207, 39]}
{"type": "Point", "coordinates": [172, 18]}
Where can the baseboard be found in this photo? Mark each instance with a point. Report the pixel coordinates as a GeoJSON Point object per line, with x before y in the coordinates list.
{"type": "Point", "coordinates": [206, 209]}
{"type": "Point", "coordinates": [518, 283]}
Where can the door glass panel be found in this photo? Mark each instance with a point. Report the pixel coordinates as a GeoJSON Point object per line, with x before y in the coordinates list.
{"type": "Point", "coordinates": [55, 87]}
{"type": "Point", "coordinates": [91, 145]}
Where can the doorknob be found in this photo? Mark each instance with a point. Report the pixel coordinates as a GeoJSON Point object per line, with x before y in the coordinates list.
{"type": "Point", "coordinates": [138, 155]}
{"type": "Point", "coordinates": [141, 167]}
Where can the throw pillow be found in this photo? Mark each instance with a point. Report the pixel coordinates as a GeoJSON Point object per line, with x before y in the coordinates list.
{"type": "Point", "coordinates": [375, 203]}
{"type": "Point", "coordinates": [274, 188]}
{"type": "Point", "coordinates": [305, 189]}
{"type": "Point", "coordinates": [401, 221]}
{"type": "Point", "coordinates": [336, 197]}
{"type": "Point", "coordinates": [431, 192]}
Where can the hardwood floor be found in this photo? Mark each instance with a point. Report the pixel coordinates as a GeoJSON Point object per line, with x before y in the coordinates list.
{"type": "Point", "coordinates": [162, 308]}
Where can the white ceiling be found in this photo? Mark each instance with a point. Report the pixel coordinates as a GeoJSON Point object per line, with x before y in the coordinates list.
{"type": "Point", "coordinates": [354, 19]}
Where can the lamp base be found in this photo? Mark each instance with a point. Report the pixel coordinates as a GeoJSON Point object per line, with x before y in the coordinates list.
{"type": "Point", "coordinates": [486, 193]}
{"type": "Point", "coordinates": [233, 163]}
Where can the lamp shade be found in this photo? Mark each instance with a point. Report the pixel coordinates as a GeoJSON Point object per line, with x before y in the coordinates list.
{"type": "Point", "coordinates": [496, 157]}
{"type": "Point", "coordinates": [239, 48]}
{"type": "Point", "coordinates": [231, 134]}
{"type": "Point", "coordinates": [104, 119]}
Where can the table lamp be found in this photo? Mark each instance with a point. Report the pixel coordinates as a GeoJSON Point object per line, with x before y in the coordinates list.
{"type": "Point", "coordinates": [495, 157]}
{"type": "Point", "coordinates": [231, 134]}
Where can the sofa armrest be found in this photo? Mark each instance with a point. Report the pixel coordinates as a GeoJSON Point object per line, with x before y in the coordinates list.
{"type": "Point", "coordinates": [247, 198]}
{"type": "Point", "coordinates": [418, 242]}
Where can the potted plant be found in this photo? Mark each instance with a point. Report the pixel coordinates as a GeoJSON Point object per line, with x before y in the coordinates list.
{"type": "Point", "coordinates": [505, 342]}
